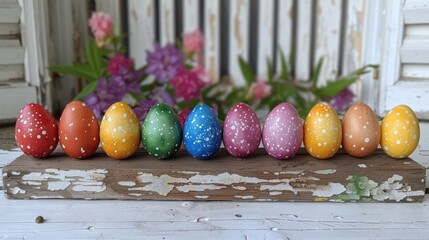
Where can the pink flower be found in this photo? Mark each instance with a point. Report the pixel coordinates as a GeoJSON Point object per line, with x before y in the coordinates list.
{"type": "Point", "coordinates": [119, 60]}
{"type": "Point", "coordinates": [187, 85]}
{"type": "Point", "coordinates": [193, 42]}
{"type": "Point", "coordinates": [101, 26]}
{"type": "Point", "coordinates": [202, 74]}
{"type": "Point", "coordinates": [260, 89]}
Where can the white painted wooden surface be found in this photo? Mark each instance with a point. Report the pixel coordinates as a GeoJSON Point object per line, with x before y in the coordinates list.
{"type": "Point", "coordinates": [238, 38]}
{"type": "Point", "coordinates": [80, 219]}
{"type": "Point", "coordinates": [265, 36]}
{"type": "Point", "coordinates": [142, 26]}
{"type": "Point", "coordinates": [166, 21]}
{"type": "Point", "coordinates": [191, 10]}
{"type": "Point", "coordinates": [303, 40]}
{"type": "Point", "coordinates": [284, 30]}
{"type": "Point", "coordinates": [212, 39]}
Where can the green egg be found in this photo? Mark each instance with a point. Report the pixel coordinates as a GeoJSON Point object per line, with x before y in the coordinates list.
{"type": "Point", "coordinates": [161, 132]}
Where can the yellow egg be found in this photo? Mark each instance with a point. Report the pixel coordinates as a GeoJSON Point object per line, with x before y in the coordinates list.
{"type": "Point", "coordinates": [322, 131]}
{"type": "Point", "coordinates": [400, 132]}
{"type": "Point", "coordinates": [120, 131]}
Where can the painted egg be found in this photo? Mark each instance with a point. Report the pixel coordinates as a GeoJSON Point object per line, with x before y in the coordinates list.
{"type": "Point", "coordinates": [322, 131]}
{"type": "Point", "coordinates": [161, 133]}
{"type": "Point", "coordinates": [241, 131]}
{"type": "Point", "coordinates": [36, 131]}
{"type": "Point", "coordinates": [400, 132]}
{"type": "Point", "coordinates": [78, 130]}
{"type": "Point", "coordinates": [202, 133]}
{"type": "Point", "coordinates": [361, 131]}
{"type": "Point", "coordinates": [120, 131]}
{"type": "Point", "coordinates": [282, 134]}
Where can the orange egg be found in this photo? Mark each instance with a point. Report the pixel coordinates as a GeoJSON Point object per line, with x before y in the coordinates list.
{"type": "Point", "coordinates": [322, 131]}
{"type": "Point", "coordinates": [400, 132]}
{"type": "Point", "coordinates": [120, 131]}
{"type": "Point", "coordinates": [361, 131]}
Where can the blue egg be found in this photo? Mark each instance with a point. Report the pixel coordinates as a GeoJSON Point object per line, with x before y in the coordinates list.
{"type": "Point", "coordinates": [202, 133]}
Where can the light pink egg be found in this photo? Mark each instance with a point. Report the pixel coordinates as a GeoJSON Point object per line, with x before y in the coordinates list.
{"type": "Point", "coordinates": [241, 131]}
{"type": "Point", "coordinates": [283, 132]}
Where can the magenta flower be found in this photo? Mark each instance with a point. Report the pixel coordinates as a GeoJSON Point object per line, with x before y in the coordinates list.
{"type": "Point", "coordinates": [164, 62]}
{"type": "Point", "coordinates": [202, 74]}
{"type": "Point", "coordinates": [143, 107]}
{"type": "Point", "coordinates": [342, 100]}
{"type": "Point", "coordinates": [260, 89]}
{"type": "Point", "coordinates": [183, 115]}
{"type": "Point", "coordinates": [102, 98]}
{"type": "Point", "coordinates": [101, 25]}
{"type": "Point", "coordinates": [119, 60]}
{"type": "Point", "coordinates": [187, 85]}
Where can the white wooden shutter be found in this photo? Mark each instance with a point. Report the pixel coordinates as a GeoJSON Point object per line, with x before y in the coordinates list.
{"type": "Point", "coordinates": [404, 69]}
{"type": "Point", "coordinates": [14, 91]}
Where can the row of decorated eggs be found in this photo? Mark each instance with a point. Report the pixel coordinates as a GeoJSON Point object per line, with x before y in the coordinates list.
{"type": "Point", "coordinates": [322, 132]}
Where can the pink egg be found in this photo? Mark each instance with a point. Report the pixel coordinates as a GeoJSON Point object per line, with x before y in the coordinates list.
{"type": "Point", "coordinates": [241, 131]}
{"type": "Point", "coordinates": [283, 132]}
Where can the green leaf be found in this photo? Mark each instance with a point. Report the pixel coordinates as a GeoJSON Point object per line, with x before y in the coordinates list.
{"type": "Point", "coordinates": [87, 90]}
{"type": "Point", "coordinates": [270, 71]}
{"type": "Point", "coordinates": [334, 88]}
{"type": "Point", "coordinates": [246, 71]}
{"type": "Point", "coordinates": [316, 73]}
{"type": "Point", "coordinates": [284, 68]}
{"type": "Point", "coordinates": [208, 89]}
{"type": "Point", "coordinates": [80, 71]}
{"type": "Point", "coordinates": [93, 56]}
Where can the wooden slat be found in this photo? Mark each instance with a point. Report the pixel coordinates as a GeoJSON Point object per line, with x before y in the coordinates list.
{"type": "Point", "coordinates": [8, 72]}
{"type": "Point", "coordinates": [327, 46]}
{"type": "Point", "coordinates": [16, 98]}
{"type": "Point", "coordinates": [238, 38]}
{"type": "Point", "coordinates": [10, 14]}
{"type": "Point", "coordinates": [284, 30]}
{"type": "Point", "coordinates": [303, 39]}
{"type": "Point", "coordinates": [142, 29]}
{"type": "Point", "coordinates": [212, 38]}
{"type": "Point", "coordinates": [415, 50]}
{"type": "Point", "coordinates": [416, 11]}
{"type": "Point", "coordinates": [9, 42]}
{"type": "Point", "coordinates": [258, 178]}
{"type": "Point", "coordinates": [166, 21]}
{"type": "Point", "coordinates": [191, 16]}
{"type": "Point", "coordinates": [265, 36]}
{"type": "Point", "coordinates": [413, 94]}
{"type": "Point", "coordinates": [80, 17]}
{"type": "Point", "coordinates": [110, 6]}
{"type": "Point", "coordinates": [11, 55]}
{"type": "Point", "coordinates": [9, 29]}
{"type": "Point", "coordinates": [9, 3]}
{"type": "Point", "coordinates": [415, 71]}
{"type": "Point", "coordinates": [417, 30]}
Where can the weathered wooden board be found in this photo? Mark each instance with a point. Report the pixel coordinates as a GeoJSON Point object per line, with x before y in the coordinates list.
{"type": "Point", "coordinates": [377, 178]}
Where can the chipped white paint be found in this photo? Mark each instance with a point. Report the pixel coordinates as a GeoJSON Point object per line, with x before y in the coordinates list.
{"type": "Point", "coordinates": [362, 165]}
{"type": "Point", "coordinates": [275, 193]}
{"type": "Point", "coordinates": [188, 172]}
{"type": "Point", "coordinates": [325, 171]}
{"type": "Point", "coordinates": [393, 189]}
{"type": "Point", "coordinates": [81, 180]}
{"type": "Point", "coordinates": [245, 197]}
{"type": "Point", "coordinates": [58, 185]}
{"type": "Point", "coordinates": [126, 183]}
{"type": "Point", "coordinates": [330, 190]}
{"type": "Point", "coordinates": [45, 197]}
{"type": "Point", "coordinates": [16, 173]}
{"type": "Point", "coordinates": [17, 190]}
{"type": "Point", "coordinates": [136, 194]}
{"type": "Point", "coordinates": [202, 196]}
{"type": "Point", "coordinates": [241, 188]}
{"type": "Point", "coordinates": [198, 188]}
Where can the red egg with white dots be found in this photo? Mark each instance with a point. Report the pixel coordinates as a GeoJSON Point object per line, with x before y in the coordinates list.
{"type": "Point", "coordinates": [283, 133]}
{"type": "Point", "coordinates": [78, 130]}
{"type": "Point", "coordinates": [36, 131]}
{"type": "Point", "coordinates": [241, 131]}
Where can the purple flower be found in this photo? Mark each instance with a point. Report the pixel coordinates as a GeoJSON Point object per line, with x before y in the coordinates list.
{"type": "Point", "coordinates": [164, 62]}
{"type": "Point", "coordinates": [102, 98]}
{"type": "Point", "coordinates": [143, 107]}
{"type": "Point", "coordinates": [342, 100]}
{"type": "Point", "coordinates": [165, 97]}
{"type": "Point", "coordinates": [126, 81]}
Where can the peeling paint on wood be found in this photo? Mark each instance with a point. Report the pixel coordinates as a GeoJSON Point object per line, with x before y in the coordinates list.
{"type": "Point", "coordinates": [259, 178]}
